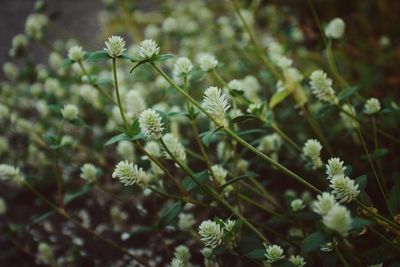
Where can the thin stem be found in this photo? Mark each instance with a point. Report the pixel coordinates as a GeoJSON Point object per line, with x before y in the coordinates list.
{"type": "Point", "coordinates": [121, 109]}
{"type": "Point", "coordinates": [378, 161]}
{"type": "Point", "coordinates": [276, 128]}
{"type": "Point", "coordinates": [183, 199]}
{"type": "Point", "coordinates": [64, 214]}
{"type": "Point", "coordinates": [191, 174]}
{"type": "Point", "coordinates": [259, 50]}
{"type": "Point", "coordinates": [341, 257]}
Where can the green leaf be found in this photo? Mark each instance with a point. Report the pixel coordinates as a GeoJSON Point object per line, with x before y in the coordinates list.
{"type": "Point", "coordinates": [206, 136]}
{"type": "Point", "coordinates": [78, 122]}
{"type": "Point", "coordinates": [359, 223]}
{"type": "Point", "coordinates": [98, 56]}
{"type": "Point", "coordinates": [244, 118]}
{"type": "Point", "coordinates": [378, 153]}
{"type": "Point", "coordinates": [313, 242]}
{"type": "Point", "coordinates": [69, 197]}
{"type": "Point", "coordinates": [241, 177]}
{"type": "Point", "coordinates": [258, 254]}
{"type": "Point", "coordinates": [67, 62]}
{"type": "Point", "coordinates": [189, 184]}
{"type": "Point", "coordinates": [116, 138]}
{"type": "Point", "coordinates": [347, 92]}
{"type": "Point", "coordinates": [170, 213]}
{"type": "Point", "coordinates": [278, 97]}
{"type": "Point", "coordinates": [323, 111]}
{"type": "Point", "coordinates": [362, 182]}
{"type": "Point", "coordinates": [128, 57]}
{"type": "Point", "coordinates": [41, 218]}
{"type": "Point", "coordinates": [162, 57]}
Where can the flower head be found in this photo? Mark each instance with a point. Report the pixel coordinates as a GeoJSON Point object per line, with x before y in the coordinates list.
{"type": "Point", "coordinates": [216, 103]}
{"type": "Point", "coordinates": [312, 149]}
{"type": "Point", "coordinates": [175, 147]}
{"type": "Point", "coordinates": [219, 173]}
{"type": "Point", "coordinates": [186, 221]}
{"type": "Point", "coordinates": [273, 253]}
{"type": "Point", "coordinates": [207, 62]}
{"type": "Point", "coordinates": [150, 124]}
{"type": "Point", "coordinates": [75, 53]}
{"type": "Point", "coordinates": [324, 203]}
{"type": "Point", "coordinates": [297, 260]}
{"type": "Point", "coordinates": [115, 46]}
{"type": "Point", "coordinates": [148, 48]}
{"type": "Point", "coordinates": [8, 172]}
{"type": "Point", "coordinates": [338, 219]}
{"type": "Point", "coordinates": [335, 28]}
{"type": "Point", "coordinates": [89, 172]}
{"type": "Point", "coordinates": [182, 252]}
{"type": "Point", "coordinates": [334, 167]}
{"type": "Point", "coordinates": [183, 66]}
{"type": "Point", "coordinates": [372, 106]}
{"type": "Point", "coordinates": [297, 205]}
{"type": "Point", "coordinates": [177, 263]}
{"type": "Point", "coordinates": [130, 174]}
{"type": "Point", "coordinates": [321, 87]}
{"type": "Point", "coordinates": [70, 112]}
{"type": "Point", "coordinates": [344, 189]}
{"type": "Point", "coordinates": [211, 233]}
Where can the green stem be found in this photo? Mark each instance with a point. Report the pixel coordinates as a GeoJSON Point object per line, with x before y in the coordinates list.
{"type": "Point", "coordinates": [121, 110]}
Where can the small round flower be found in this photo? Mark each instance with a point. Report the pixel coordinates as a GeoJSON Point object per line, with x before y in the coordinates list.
{"type": "Point", "coordinates": [186, 221]}
{"type": "Point", "coordinates": [207, 62]}
{"type": "Point", "coordinates": [115, 46]}
{"type": "Point", "coordinates": [338, 219]}
{"type": "Point", "coordinates": [126, 150]}
{"type": "Point", "coordinates": [297, 260]}
{"type": "Point", "coordinates": [183, 66]}
{"type": "Point", "coordinates": [177, 263]}
{"type": "Point", "coordinates": [211, 233]}
{"type": "Point", "coordinates": [219, 173]}
{"type": "Point", "coordinates": [75, 53]}
{"type": "Point", "coordinates": [372, 106]}
{"type": "Point", "coordinates": [130, 174]}
{"type": "Point", "coordinates": [273, 253]}
{"type": "Point", "coordinates": [10, 70]}
{"type": "Point", "coordinates": [324, 203]}
{"type": "Point", "coordinates": [148, 48]}
{"type": "Point", "coordinates": [8, 172]}
{"type": "Point", "coordinates": [175, 147]}
{"type": "Point", "coordinates": [270, 143]}
{"type": "Point", "coordinates": [334, 167]}
{"type": "Point", "coordinates": [216, 104]}
{"type": "Point", "coordinates": [35, 24]}
{"type": "Point", "coordinates": [297, 205]}
{"type": "Point", "coordinates": [321, 87]}
{"type": "Point", "coordinates": [89, 172]}
{"type": "Point", "coordinates": [182, 252]}
{"type": "Point", "coordinates": [153, 148]}
{"type": "Point", "coordinates": [150, 124]}
{"type": "Point", "coordinates": [69, 112]}
{"type": "Point", "coordinates": [45, 254]}
{"type": "Point", "coordinates": [335, 28]}
{"type": "Point", "coordinates": [312, 149]}
{"type": "Point", "coordinates": [344, 189]}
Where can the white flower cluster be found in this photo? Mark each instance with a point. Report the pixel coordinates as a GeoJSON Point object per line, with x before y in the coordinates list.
{"type": "Point", "coordinates": [150, 124]}
{"type": "Point", "coordinates": [216, 104]}
{"type": "Point", "coordinates": [70, 112]}
{"type": "Point", "coordinates": [35, 25]}
{"type": "Point", "coordinates": [148, 48]}
{"type": "Point", "coordinates": [76, 53]}
{"type": "Point", "coordinates": [335, 28]}
{"type": "Point", "coordinates": [297, 205]}
{"type": "Point", "coordinates": [183, 66]}
{"type": "Point", "coordinates": [186, 221]}
{"type": "Point", "coordinates": [115, 46]}
{"type": "Point", "coordinates": [321, 87]}
{"type": "Point", "coordinates": [175, 147]}
{"type": "Point", "coordinates": [181, 257]}
{"type": "Point", "coordinates": [372, 106]}
{"type": "Point", "coordinates": [334, 167]}
{"type": "Point", "coordinates": [297, 261]}
{"type": "Point", "coordinates": [335, 216]}
{"type": "Point", "coordinates": [11, 173]}
{"type": "Point", "coordinates": [130, 174]}
{"type": "Point", "coordinates": [89, 172]}
{"type": "Point", "coordinates": [344, 188]}
{"type": "Point", "coordinates": [214, 234]}
{"type": "Point", "coordinates": [273, 253]}
{"type": "Point", "coordinates": [312, 149]}
{"type": "Point", "coordinates": [207, 61]}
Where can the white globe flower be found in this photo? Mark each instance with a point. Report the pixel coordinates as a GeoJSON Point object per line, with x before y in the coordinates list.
{"type": "Point", "coordinates": [115, 46]}
{"type": "Point", "coordinates": [148, 49]}
{"type": "Point", "coordinates": [335, 28]}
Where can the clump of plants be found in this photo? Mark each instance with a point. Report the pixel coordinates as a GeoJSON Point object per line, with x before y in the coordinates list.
{"type": "Point", "coordinates": [196, 135]}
